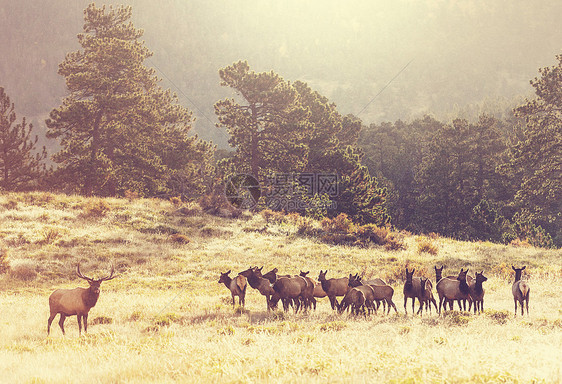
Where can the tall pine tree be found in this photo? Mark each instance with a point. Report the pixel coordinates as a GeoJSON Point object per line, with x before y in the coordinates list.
{"type": "Point", "coordinates": [20, 163]}
{"type": "Point", "coordinates": [265, 125]}
{"type": "Point", "coordinates": [537, 158]}
{"type": "Point", "coordinates": [118, 129]}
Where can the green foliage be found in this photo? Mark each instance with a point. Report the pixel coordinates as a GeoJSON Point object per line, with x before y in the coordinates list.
{"type": "Point", "coordinates": [20, 166]}
{"type": "Point", "coordinates": [288, 128]}
{"type": "Point", "coordinates": [536, 160]}
{"type": "Point", "coordinates": [267, 130]}
{"type": "Point", "coordinates": [119, 131]}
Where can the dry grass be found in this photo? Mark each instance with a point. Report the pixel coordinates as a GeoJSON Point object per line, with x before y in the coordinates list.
{"type": "Point", "coordinates": [166, 319]}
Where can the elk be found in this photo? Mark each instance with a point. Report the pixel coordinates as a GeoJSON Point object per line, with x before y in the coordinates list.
{"type": "Point", "coordinates": [317, 291]}
{"type": "Point", "coordinates": [381, 292]}
{"type": "Point", "coordinates": [449, 289]}
{"type": "Point", "coordinates": [354, 299]}
{"type": "Point", "coordinates": [412, 289]}
{"type": "Point", "coordinates": [261, 284]}
{"type": "Point", "coordinates": [477, 292]}
{"type": "Point", "coordinates": [237, 287]}
{"type": "Point", "coordinates": [77, 301]}
{"type": "Point", "coordinates": [297, 289]}
{"type": "Point", "coordinates": [438, 277]}
{"type": "Point", "coordinates": [520, 290]}
{"type": "Point", "coordinates": [426, 295]}
{"type": "Point", "coordinates": [333, 287]}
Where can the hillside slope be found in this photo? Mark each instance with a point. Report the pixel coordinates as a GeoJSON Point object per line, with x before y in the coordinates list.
{"type": "Point", "coordinates": [165, 318]}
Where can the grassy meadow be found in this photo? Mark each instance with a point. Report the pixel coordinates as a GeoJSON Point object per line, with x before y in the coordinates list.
{"type": "Point", "coordinates": [166, 319]}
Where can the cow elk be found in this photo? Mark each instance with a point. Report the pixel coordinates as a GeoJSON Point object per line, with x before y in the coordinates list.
{"type": "Point", "coordinates": [77, 301]}
{"type": "Point", "coordinates": [477, 292]}
{"type": "Point", "coordinates": [333, 287]}
{"type": "Point", "coordinates": [237, 287]}
{"type": "Point", "coordinates": [449, 289]}
{"type": "Point", "coordinates": [262, 285]}
{"type": "Point", "coordinates": [412, 289]}
{"type": "Point", "coordinates": [520, 290]}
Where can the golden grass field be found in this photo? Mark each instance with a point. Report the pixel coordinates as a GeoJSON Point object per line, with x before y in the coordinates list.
{"type": "Point", "coordinates": [166, 319]}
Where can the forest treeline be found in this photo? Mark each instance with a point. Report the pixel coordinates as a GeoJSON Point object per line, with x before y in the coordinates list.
{"type": "Point", "coordinates": [121, 134]}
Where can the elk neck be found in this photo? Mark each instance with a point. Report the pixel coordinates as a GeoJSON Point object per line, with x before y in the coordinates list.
{"type": "Point", "coordinates": [91, 296]}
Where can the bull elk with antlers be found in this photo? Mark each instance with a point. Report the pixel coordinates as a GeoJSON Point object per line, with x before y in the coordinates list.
{"type": "Point", "coordinates": [77, 301]}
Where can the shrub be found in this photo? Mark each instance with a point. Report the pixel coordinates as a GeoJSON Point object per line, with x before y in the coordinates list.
{"type": "Point", "coordinates": [24, 271]}
{"type": "Point", "coordinates": [176, 201]}
{"type": "Point", "coordinates": [274, 217]}
{"type": "Point", "coordinates": [50, 235]}
{"type": "Point", "coordinates": [191, 209]}
{"type": "Point", "coordinates": [4, 263]}
{"type": "Point", "coordinates": [373, 233]}
{"type": "Point", "coordinates": [166, 319]}
{"type": "Point", "coordinates": [339, 224]}
{"type": "Point", "coordinates": [215, 203]}
{"type": "Point", "coordinates": [425, 245]}
{"type": "Point", "coordinates": [95, 208]}
{"type": "Point", "coordinates": [499, 317]}
{"type": "Point", "coordinates": [102, 320]}
{"type": "Point", "coordinates": [179, 238]}
{"type": "Point", "coordinates": [393, 243]}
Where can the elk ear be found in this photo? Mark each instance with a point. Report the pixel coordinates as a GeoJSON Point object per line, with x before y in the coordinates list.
{"type": "Point", "coordinates": [230, 270]}
{"type": "Point", "coordinates": [524, 267]}
{"type": "Point", "coordinates": [512, 267]}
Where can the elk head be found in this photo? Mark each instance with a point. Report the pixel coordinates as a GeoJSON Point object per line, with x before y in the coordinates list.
{"type": "Point", "coordinates": [95, 283]}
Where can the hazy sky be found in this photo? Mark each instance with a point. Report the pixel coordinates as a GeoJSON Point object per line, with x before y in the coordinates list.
{"type": "Point", "coordinates": [460, 52]}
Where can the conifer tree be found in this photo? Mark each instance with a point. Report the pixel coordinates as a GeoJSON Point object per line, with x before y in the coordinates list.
{"type": "Point", "coordinates": [537, 158]}
{"type": "Point", "coordinates": [117, 128]}
{"type": "Point", "coordinates": [20, 163]}
{"type": "Point", "coordinates": [265, 126]}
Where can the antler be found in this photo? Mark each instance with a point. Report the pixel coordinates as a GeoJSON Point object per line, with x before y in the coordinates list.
{"type": "Point", "coordinates": [80, 275]}
{"type": "Point", "coordinates": [110, 275]}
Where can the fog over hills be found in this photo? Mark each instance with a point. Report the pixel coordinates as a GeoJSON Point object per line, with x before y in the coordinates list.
{"type": "Point", "coordinates": [446, 57]}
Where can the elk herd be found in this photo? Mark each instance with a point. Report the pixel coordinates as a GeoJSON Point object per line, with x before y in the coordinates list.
{"type": "Point", "coordinates": [365, 296]}
{"type": "Point", "coordinates": [301, 292]}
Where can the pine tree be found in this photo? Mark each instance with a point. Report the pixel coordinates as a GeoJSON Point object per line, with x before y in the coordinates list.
{"type": "Point", "coordinates": [537, 158]}
{"type": "Point", "coordinates": [118, 129]}
{"type": "Point", "coordinates": [265, 127]}
{"type": "Point", "coordinates": [20, 164]}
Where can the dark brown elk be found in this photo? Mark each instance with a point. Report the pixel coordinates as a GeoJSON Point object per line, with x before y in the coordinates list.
{"type": "Point", "coordinates": [438, 276]}
{"type": "Point", "coordinates": [520, 290]}
{"type": "Point", "coordinates": [296, 289]}
{"type": "Point", "coordinates": [333, 287]}
{"type": "Point", "coordinates": [426, 295]}
{"type": "Point", "coordinates": [412, 289]}
{"type": "Point", "coordinates": [477, 292]}
{"type": "Point", "coordinates": [272, 275]}
{"type": "Point", "coordinates": [237, 287]}
{"type": "Point", "coordinates": [354, 299]}
{"type": "Point", "coordinates": [262, 285]}
{"type": "Point", "coordinates": [381, 292]}
{"type": "Point", "coordinates": [317, 291]}
{"type": "Point", "coordinates": [449, 289]}
{"type": "Point", "coordinates": [77, 301]}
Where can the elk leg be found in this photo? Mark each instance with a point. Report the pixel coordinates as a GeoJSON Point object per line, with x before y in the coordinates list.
{"type": "Point", "coordinates": [85, 321]}
{"type": "Point", "coordinates": [79, 318]}
{"type": "Point", "coordinates": [332, 301]}
{"type": "Point", "coordinates": [515, 301]}
{"type": "Point", "coordinates": [51, 318]}
{"type": "Point", "coordinates": [527, 303]}
{"type": "Point", "coordinates": [61, 322]}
